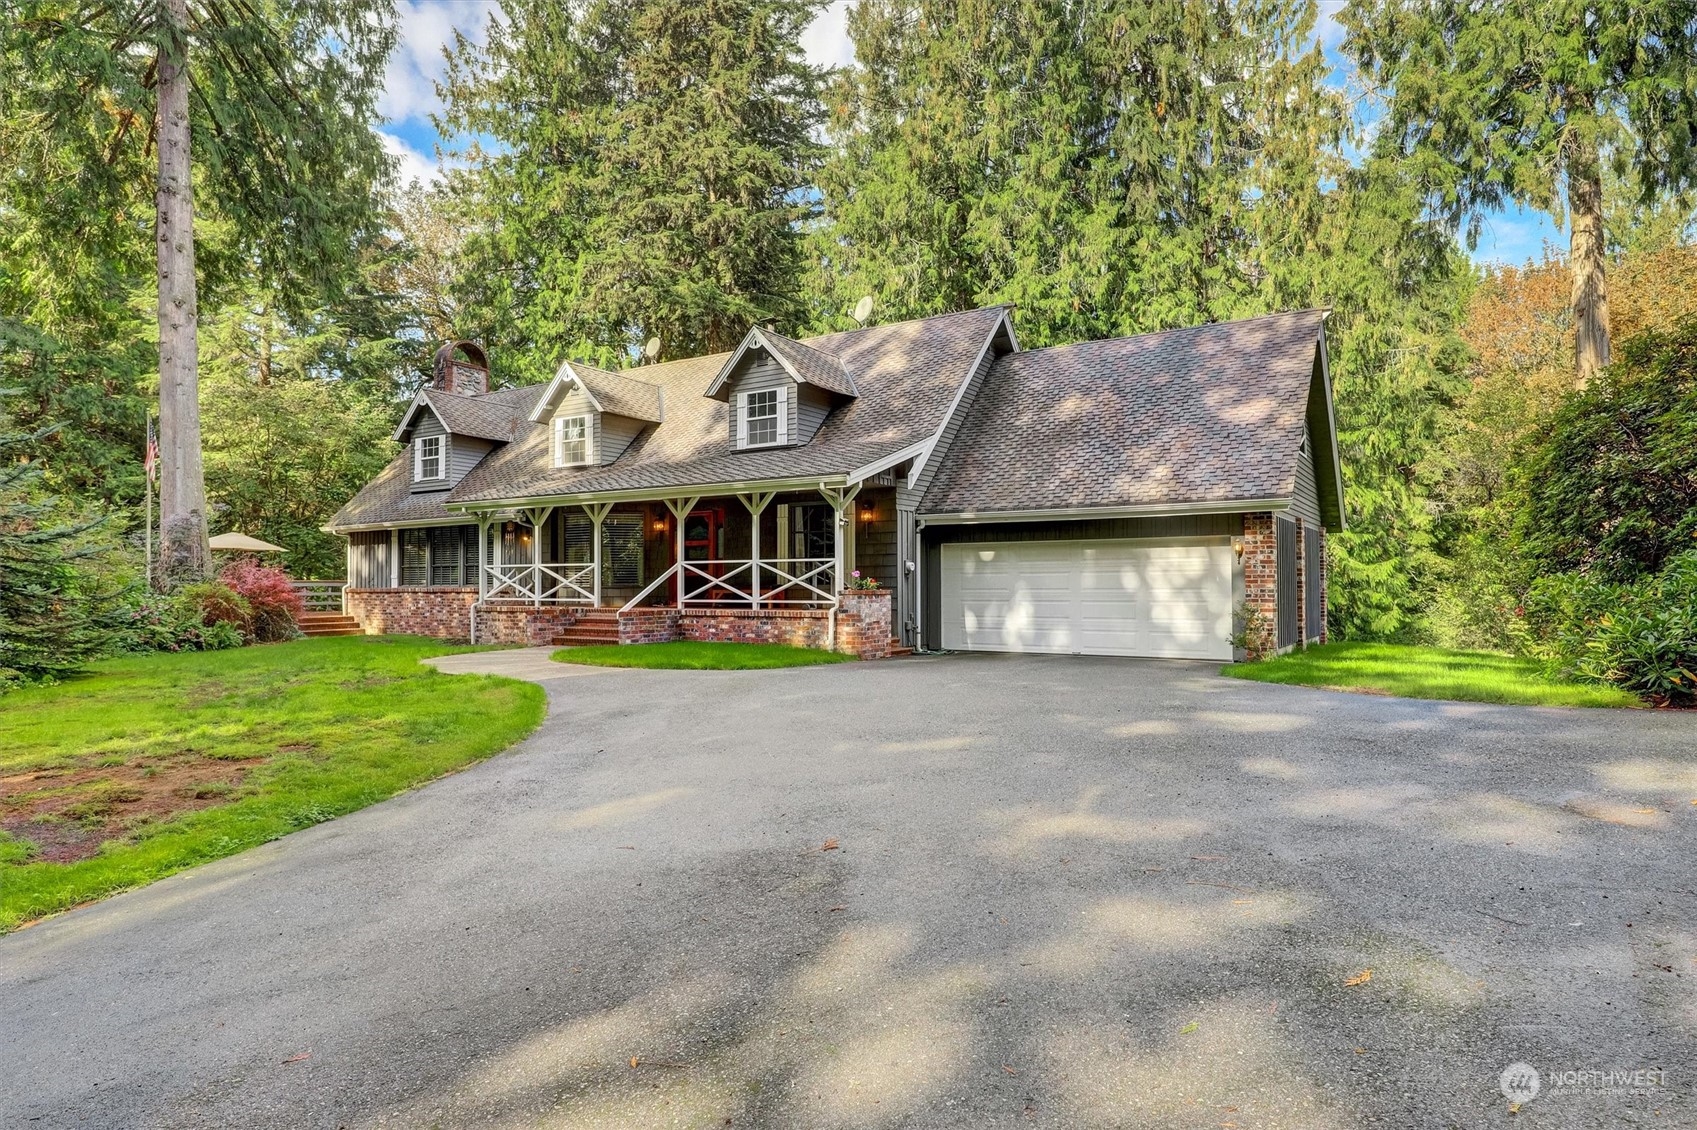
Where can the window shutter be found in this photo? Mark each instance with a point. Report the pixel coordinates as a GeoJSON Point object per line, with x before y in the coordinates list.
{"type": "Point", "coordinates": [589, 440]}
{"type": "Point", "coordinates": [417, 460]}
{"type": "Point", "coordinates": [742, 419]}
{"type": "Point", "coordinates": [559, 438]}
{"type": "Point", "coordinates": [783, 414]}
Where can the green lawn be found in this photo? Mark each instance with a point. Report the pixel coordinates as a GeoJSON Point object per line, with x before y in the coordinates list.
{"type": "Point", "coordinates": [1427, 672]}
{"type": "Point", "coordinates": [691, 656]}
{"type": "Point", "coordinates": [152, 764]}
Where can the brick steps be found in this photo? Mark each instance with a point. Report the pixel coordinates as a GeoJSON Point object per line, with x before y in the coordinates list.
{"type": "Point", "coordinates": [315, 624]}
{"type": "Point", "coordinates": [597, 626]}
{"type": "Point", "coordinates": [896, 648]}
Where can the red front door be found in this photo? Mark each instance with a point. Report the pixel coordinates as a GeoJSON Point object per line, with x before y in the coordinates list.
{"type": "Point", "coordinates": [704, 533]}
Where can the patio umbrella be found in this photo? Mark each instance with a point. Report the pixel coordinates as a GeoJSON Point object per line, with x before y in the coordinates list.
{"type": "Point", "coordinates": [245, 544]}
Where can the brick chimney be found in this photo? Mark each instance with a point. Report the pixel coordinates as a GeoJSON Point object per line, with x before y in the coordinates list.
{"type": "Point", "coordinates": [461, 368]}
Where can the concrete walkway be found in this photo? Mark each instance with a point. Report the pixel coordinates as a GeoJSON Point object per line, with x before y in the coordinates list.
{"type": "Point", "coordinates": [933, 892]}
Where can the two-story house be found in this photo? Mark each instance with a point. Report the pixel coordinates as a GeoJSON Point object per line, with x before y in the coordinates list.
{"type": "Point", "coordinates": [1132, 496]}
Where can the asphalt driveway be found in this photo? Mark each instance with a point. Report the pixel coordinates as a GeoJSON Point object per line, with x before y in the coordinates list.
{"type": "Point", "coordinates": [1059, 892]}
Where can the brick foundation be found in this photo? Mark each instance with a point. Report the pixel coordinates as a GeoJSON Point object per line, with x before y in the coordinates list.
{"type": "Point", "coordinates": [797, 627]}
{"type": "Point", "coordinates": [442, 612]}
{"type": "Point", "coordinates": [528, 625]}
{"type": "Point", "coordinates": [863, 620]}
{"type": "Point", "coordinates": [1261, 580]}
{"type": "Point", "coordinates": [863, 624]}
{"type": "Point", "coordinates": [648, 625]}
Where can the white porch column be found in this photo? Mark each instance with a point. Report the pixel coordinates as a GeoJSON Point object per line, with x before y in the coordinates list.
{"type": "Point", "coordinates": [680, 508]}
{"type": "Point", "coordinates": [538, 519]}
{"type": "Point", "coordinates": [597, 515]}
{"type": "Point", "coordinates": [394, 559]}
{"type": "Point", "coordinates": [840, 501]}
{"type": "Point", "coordinates": [482, 549]}
{"type": "Point", "coordinates": [756, 504]}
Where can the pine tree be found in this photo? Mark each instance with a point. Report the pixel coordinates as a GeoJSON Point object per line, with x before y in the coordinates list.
{"type": "Point", "coordinates": [1527, 102]}
{"type": "Point", "coordinates": [647, 179]}
{"type": "Point", "coordinates": [46, 624]}
{"type": "Point", "coordinates": [262, 107]}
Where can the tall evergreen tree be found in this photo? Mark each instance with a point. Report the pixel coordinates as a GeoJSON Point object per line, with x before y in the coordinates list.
{"type": "Point", "coordinates": [648, 175]}
{"type": "Point", "coordinates": [1526, 102]}
{"type": "Point", "coordinates": [262, 107]}
{"type": "Point", "coordinates": [47, 628]}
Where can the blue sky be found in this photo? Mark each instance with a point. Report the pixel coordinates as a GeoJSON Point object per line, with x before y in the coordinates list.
{"type": "Point", "coordinates": [409, 98]}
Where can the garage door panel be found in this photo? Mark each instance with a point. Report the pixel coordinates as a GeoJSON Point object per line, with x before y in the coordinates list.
{"type": "Point", "coordinates": [1092, 598]}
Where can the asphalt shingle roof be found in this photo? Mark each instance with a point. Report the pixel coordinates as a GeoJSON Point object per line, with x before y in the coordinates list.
{"type": "Point", "coordinates": [1207, 414]}
{"type": "Point", "coordinates": [907, 375]}
{"type": "Point", "coordinates": [620, 394]}
{"type": "Point", "coordinates": [813, 366]}
{"type": "Point", "coordinates": [493, 416]}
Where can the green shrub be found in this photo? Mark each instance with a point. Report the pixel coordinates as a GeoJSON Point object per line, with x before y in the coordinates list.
{"type": "Point", "coordinates": [1641, 637]}
{"type": "Point", "coordinates": [212, 602]}
{"type": "Point", "coordinates": [151, 622]}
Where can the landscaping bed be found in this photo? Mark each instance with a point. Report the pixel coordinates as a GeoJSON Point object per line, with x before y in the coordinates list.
{"type": "Point", "coordinates": [696, 656]}
{"type": "Point", "coordinates": [1427, 672]}
{"type": "Point", "coordinates": [150, 764]}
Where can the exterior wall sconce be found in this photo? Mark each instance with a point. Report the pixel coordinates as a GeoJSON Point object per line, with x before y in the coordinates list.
{"type": "Point", "coordinates": [1237, 547]}
{"type": "Point", "coordinates": [866, 512]}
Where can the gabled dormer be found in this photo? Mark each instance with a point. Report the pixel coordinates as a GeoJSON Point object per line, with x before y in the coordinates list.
{"type": "Point", "coordinates": [593, 415]}
{"type": "Point", "coordinates": [779, 390]}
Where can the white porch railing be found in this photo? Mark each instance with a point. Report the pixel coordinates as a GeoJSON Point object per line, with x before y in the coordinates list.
{"type": "Point", "coordinates": [783, 583]}
{"type": "Point", "coordinates": [562, 583]}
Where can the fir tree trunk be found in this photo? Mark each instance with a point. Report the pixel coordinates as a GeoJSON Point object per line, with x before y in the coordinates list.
{"type": "Point", "coordinates": [1590, 300]}
{"type": "Point", "coordinates": [183, 552]}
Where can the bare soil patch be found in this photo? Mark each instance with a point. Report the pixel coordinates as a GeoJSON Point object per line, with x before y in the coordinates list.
{"type": "Point", "coordinates": [67, 812]}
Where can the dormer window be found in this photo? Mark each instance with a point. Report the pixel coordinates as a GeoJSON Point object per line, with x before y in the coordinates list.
{"type": "Point", "coordinates": [571, 441]}
{"type": "Point", "coordinates": [427, 461]}
{"type": "Point", "coordinates": [762, 420]}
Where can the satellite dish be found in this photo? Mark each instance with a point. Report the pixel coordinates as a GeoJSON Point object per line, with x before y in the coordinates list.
{"type": "Point", "coordinates": [863, 310]}
{"type": "Point", "coordinates": [652, 349]}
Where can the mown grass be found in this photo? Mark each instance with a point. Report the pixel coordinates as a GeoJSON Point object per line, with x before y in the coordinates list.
{"type": "Point", "coordinates": [340, 723]}
{"type": "Point", "coordinates": [1427, 672]}
{"type": "Point", "coordinates": [692, 656]}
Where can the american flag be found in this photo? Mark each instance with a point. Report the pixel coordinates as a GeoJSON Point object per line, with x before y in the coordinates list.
{"type": "Point", "coordinates": [150, 460]}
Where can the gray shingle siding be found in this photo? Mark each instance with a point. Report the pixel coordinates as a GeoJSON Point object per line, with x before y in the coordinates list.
{"type": "Point", "coordinates": [370, 565]}
{"type": "Point", "coordinates": [426, 426]}
{"type": "Point", "coordinates": [762, 371]}
{"type": "Point", "coordinates": [1305, 501]}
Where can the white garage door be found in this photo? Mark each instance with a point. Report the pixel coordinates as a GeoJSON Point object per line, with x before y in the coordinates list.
{"type": "Point", "coordinates": [1160, 599]}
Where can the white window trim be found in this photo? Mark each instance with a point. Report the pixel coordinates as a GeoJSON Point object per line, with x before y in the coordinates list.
{"type": "Point", "coordinates": [783, 399]}
{"type": "Point", "coordinates": [418, 475]}
{"type": "Point", "coordinates": [560, 440]}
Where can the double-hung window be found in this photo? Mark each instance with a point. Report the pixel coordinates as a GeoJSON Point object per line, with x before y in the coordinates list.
{"type": "Point", "coordinates": [761, 419]}
{"type": "Point", "coordinates": [571, 441]}
{"type": "Point", "coordinates": [427, 459]}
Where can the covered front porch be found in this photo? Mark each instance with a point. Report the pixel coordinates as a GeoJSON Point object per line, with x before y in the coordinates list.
{"type": "Point", "coordinates": [756, 550]}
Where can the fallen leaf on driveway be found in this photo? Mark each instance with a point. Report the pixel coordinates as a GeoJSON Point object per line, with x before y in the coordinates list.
{"type": "Point", "coordinates": [830, 845]}
{"type": "Point", "coordinates": [1360, 978]}
{"type": "Point", "coordinates": [1009, 1070]}
{"type": "Point", "coordinates": [634, 1061]}
{"type": "Point", "coordinates": [834, 909]}
{"type": "Point", "coordinates": [1208, 858]}
{"type": "Point", "coordinates": [1189, 1028]}
{"type": "Point", "coordinates": [298, 1058]}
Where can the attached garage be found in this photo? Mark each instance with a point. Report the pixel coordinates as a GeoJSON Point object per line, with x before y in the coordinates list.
{"type": "Point", "coordinates": [1162, 598]}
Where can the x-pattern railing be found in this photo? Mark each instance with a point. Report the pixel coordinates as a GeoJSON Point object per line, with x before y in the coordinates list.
{"type": "Point", "coordinates": [563, 583]}
{"type": "Point", "coordinates": [792, 581]}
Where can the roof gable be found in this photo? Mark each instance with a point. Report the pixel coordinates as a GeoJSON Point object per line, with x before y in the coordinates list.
{"type": "Point", "coordinates": [802, 362]}
{"type": "Point", "coordinates": [614, 393]}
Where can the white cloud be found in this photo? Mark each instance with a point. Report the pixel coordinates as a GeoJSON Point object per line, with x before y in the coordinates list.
{"type": "Point", "coordinates": [417, 64]}
{"type": "Point", "coordinates": [826, 40]}
{"type": "Point", "coordinates": [1327, 29]}
{"type": "Point", "coordinates": [410, 164]}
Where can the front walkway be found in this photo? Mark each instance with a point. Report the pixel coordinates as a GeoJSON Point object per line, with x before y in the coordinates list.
{"type": "Point", "coordinates": [939, 892]}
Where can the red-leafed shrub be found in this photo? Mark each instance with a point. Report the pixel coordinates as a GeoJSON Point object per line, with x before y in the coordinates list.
{"type": "Point", "coordinates": [276, 606]}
